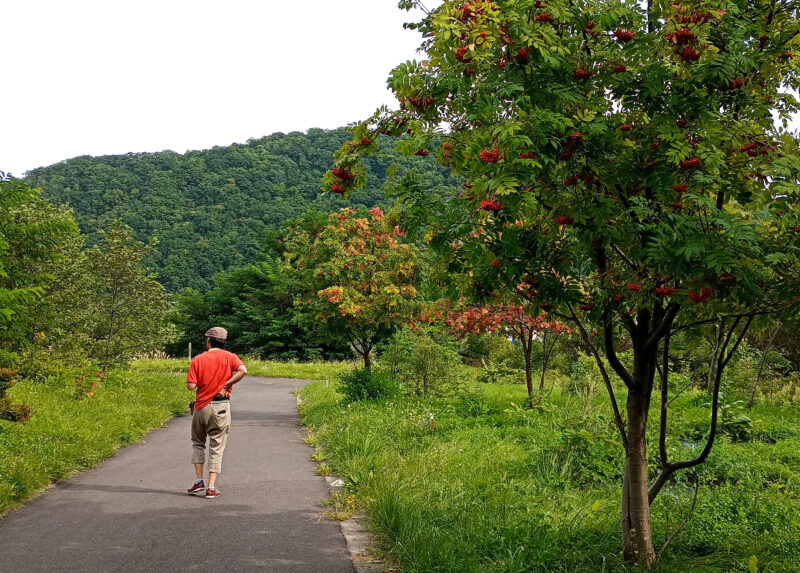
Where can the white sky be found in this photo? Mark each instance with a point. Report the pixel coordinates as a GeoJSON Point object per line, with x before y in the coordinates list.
{"type": "Point", "coordinates": [99, 77]}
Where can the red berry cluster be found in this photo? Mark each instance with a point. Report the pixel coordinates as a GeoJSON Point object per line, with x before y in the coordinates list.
{"type": "Point", "coordinates": [489, 156]}
{"type": "Point", "coordinates": [665, 291]}
{"type": "Point", "coordinates": [583, 74]}
{"type": "Point", "coordinates": [624, 36]}
{"type": "Point", "coordinates": [421, 103]}
{"type": "Point", "coordinates": [421, 152]}
{"type": "Point", "coordinates": [544, 17]}
{"type": "Point", "coordinates": [732, 85]}
{"type": "Point", "coordinates": [573, 141]}
{"type": "Point", "coordinates": [495, 263]}
{"type": "Point", "coordinates": [688, 54]}
{"type": "Point", "coordinates": [521, 56]}
{"type": "Point", "coordinates": [571, 180]}
{"type": "Point", "coordinates": [680, 37]}
{"type": "Point", "coordinates": [366, 141]}
{"type": "Point", "coordinates": [693, 163]}
{"type": "Point", "coordinates": [469, 13]}
{"type": "Point", "coordinates": [619, 69]}
{"type": "Point", "coordinates": [626, 127]}
{"type": "Point", "coordinates": [491, 205]}
{"type": "Point", "coordinates": [337, 189]}
{"type": "Point", "coordinates": [461, 55]}
{"type": "Point", "coordinates": [575, 138]}
{"type": "Point", "coordinates": [563, 220]}
{"type": "Point", "coordinates": [681, 188]}
{"type": "Point", "coordinates": [527, 155]}
{"type": "Point", "coordinates": [343, 174]}
{"type": "Point", "coordinates": [633, 286]}
{"type": "Point", "coordinates": [702, 296]}
{"type": "Point", "coordinates": [750, 149]}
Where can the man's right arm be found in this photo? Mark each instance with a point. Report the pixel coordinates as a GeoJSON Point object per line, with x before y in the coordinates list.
{"type": "Point", "coordinates": [191, 377]}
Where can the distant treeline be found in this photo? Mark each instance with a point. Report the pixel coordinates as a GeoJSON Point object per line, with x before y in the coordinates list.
{"type": "Point", "coordinates": [210, 210]}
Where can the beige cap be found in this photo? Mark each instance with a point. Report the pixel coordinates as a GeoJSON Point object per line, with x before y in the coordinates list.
{"type": "Point", "coordinates": [217, 332]}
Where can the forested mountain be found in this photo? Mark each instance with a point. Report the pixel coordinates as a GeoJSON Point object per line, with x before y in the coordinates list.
{"type": "Point", "coordinates": [208, 209]}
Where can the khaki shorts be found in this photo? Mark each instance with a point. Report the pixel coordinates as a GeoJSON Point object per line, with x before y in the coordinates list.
{"type": "Point", "coordinates": [212, 422]}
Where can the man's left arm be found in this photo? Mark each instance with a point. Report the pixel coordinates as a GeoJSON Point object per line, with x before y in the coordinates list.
{"type": "Point", "coordinates": [240, 373]}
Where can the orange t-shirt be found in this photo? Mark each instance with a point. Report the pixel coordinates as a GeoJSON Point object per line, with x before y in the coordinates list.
{"type": "Point", "coordinates": [210, 370]}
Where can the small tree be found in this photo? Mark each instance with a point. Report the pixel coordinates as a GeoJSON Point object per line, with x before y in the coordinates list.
{"type": "Point", "coordinates": [623, 159]}
{"type": "Point", "coordinates": [524, 327]}
{"type": "Point", "coordinates": [128, 305]}
{"type": "Point", "coordinates": [33, 235]}
{"type": "Point", "coordinates": [355, 278]}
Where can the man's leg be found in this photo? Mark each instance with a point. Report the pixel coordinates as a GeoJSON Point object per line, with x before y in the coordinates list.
{"type": "Point", "coordinates": [218, 428]}
{"type": "Point", "coordinates": [199, 421]}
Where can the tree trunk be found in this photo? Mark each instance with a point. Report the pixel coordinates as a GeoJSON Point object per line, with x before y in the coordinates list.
{"type": "Point", "coordinates": [367, 360]}
{"type": "Point", "coordinates": [526, 350]}
{"type": "Point", "coordinates": [545, 360]}
{"type": "Point", "coordinates": [637, 535]}
{"type": "Point", "coordinates": [758, 377]}
{"type": "Point", "coordinates": [712, 367]}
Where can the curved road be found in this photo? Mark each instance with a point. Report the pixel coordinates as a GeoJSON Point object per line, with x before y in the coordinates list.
{"type": "Point", "coordinates": [131, 513]}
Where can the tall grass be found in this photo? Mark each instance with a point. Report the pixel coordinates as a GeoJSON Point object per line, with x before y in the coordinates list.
{"type": "Point", "coordinates": [495, 487]}
{"type": "Point", "coordinates": [69, 434]}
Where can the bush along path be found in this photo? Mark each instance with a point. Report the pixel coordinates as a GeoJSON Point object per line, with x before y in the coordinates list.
{"type": "Point", "coordinates": [132, 512]}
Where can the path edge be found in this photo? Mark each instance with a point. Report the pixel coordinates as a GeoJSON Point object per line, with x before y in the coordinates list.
{"type": "Point", "coordinates": [360, 542]}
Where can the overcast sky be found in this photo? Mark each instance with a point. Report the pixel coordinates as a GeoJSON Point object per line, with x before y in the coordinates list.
{"type": "Point", "coordinates": [99, 77]}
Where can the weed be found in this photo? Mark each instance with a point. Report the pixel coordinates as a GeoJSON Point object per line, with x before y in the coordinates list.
{"type": "Point", "coordinates": [324, 469]}
{"type": "Point", "coordinates": [341, 504]}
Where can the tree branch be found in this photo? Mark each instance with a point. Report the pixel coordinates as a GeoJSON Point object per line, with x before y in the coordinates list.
{"type": "Point", "coordinates": [671, 468]}
{"type": "Point", "coordinates": [588, 341]}
{"type": "Point", "coordinates": [662, 329]}
{"type": "Point", "coordinates": [611, 353]}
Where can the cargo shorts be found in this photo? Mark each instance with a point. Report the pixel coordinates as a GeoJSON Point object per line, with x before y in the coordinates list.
{"type": "Point", "coordinates": [213, 423]}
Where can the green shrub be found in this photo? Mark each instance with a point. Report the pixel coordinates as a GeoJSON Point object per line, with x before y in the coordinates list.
{"type": "Point", "coordinates": [584, 376]}
{"type": "Point", "coordinates": [365, 385]}
{"type": "Point", "coordinates": [475, 348]}
{"type": "Point", "coordinates": [424, 361]}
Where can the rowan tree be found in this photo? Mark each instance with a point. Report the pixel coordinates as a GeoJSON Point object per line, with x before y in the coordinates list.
{"type": "Point", "coordinates": [628, 161]}
{"type": "Point", "coordinates": [356, 278]}
{"type": "Point", "coordinates": [518, 321]}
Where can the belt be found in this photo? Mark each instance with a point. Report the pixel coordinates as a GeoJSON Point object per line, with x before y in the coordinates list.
{"type": "Point", "coordinates": [220, 399]}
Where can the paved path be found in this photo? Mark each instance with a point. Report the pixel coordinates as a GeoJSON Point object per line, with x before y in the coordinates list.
{"type": "Point", "coordinates": [132, 513]}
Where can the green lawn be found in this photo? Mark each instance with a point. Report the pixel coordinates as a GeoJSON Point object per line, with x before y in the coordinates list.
{"type": "Point", "coordinates": [67, 435]}
{"type": "Point", "coordinates": [494, 487]}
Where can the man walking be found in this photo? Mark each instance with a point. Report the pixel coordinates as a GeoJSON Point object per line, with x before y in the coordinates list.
{"type": "Point", "coordinates": [213, 373]}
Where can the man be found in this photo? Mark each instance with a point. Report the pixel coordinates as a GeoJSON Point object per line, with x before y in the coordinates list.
{"type": "Point", "coordinates": [213, 373]}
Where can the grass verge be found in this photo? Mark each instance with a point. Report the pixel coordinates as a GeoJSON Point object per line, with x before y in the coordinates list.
{"type": "Point", "coordinates": [495, 487]}
{"type": "Point", "coordinates": [69, 434]}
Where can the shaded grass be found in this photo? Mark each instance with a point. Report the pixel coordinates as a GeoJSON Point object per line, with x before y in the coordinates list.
{"type": "Point", "coordinates": [67, 435]}
{"type": "Point", "coordinates": [264, 368]}
{"type": "Point", "coordinates": [498, 488]}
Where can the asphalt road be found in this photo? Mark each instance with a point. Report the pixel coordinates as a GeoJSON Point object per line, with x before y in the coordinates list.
{"type": "Point", "coordinates": [132, 513]}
